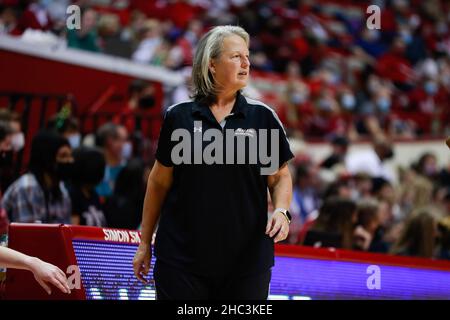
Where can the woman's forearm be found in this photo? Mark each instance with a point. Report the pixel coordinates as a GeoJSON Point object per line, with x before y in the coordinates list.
{"type": "Point", "coordinates": [280, 188]}
{"type": "Point", "coordinates": [153, 201]}
{"type": "Point", "coordinates": [159, 183]}
{"type": "Point", "coordinates": [13, 259]}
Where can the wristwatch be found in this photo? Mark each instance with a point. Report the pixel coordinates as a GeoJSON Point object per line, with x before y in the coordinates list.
{"type": "Point", "coordinates": [285, 212]}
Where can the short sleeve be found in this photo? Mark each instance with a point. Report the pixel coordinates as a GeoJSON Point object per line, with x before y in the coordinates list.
{"type": "Point", "coordinates": [284, 151]}
{"type": "Point", "coordinates": [164, 149]}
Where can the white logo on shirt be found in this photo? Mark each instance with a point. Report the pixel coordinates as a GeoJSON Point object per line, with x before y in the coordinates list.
{"type": "Point", "coordinates": [242, 132]}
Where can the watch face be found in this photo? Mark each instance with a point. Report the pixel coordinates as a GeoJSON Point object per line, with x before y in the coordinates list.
{"type": "Point", "coordinates": [288, 215]}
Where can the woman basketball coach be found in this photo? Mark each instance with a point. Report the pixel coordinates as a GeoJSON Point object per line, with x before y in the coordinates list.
{"type": "Point", "coordinates": [214, 238]}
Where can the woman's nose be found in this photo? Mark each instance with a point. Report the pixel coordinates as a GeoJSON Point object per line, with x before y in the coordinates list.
{"type": "Point", "coordinates": [245, 62]}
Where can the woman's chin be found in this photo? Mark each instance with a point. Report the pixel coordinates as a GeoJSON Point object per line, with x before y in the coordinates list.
{"type": "Point", "coordinates": [241, 83]}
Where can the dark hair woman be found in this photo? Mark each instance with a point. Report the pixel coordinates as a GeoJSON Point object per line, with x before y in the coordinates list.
{"type": "Point", "coordinates": [40, 194]}
{"type": "Point", "coordinates": [89, 169]}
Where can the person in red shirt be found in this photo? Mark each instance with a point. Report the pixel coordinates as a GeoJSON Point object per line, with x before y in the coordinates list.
{"type": "Point", "coordinates": [394, 66]}
{"type": "Point", "coordinates": [35, 16]}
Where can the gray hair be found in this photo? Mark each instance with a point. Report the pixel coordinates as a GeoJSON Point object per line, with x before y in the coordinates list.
{"type": "Point", "coordinates": [210, 47]}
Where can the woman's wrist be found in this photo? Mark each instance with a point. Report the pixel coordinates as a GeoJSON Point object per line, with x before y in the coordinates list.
{"type": "Point", "coordinates": [30, 263]}
{"type": "Point", "coordinates": [145, 243]}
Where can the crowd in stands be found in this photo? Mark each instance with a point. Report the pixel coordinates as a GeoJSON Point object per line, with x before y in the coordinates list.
{"type": "Point", "coordinates": [342, 77]}
{"type": "Point", "coordinates": [343, 81]}
{"type": "Point", "coordinates": [348, 200]}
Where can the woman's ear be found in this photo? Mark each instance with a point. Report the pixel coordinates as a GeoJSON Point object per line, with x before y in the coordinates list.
{"type": "Point", "coordinates": [212, 67]}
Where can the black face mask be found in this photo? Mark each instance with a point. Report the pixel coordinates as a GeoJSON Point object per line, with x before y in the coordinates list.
{"type": "Point", "coordinates": [64, 170]}
{"type": "Point", "coordinates": [6, 159]}
{"type": "Point", "coordinates": [146, 102]}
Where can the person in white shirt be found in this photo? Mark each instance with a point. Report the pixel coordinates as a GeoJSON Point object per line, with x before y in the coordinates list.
{"type": "Point", "coordinates": [372, 161]}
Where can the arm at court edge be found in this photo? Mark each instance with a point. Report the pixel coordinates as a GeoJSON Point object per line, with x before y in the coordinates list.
{"type": "Point", "coordinates": [159, 182]}
{"type": "Point", "coordinates": [280, 187]}
{"type": "Point", "coordinates": [15, 260]}
{"type": "Point", "coordinates": [43, 272]}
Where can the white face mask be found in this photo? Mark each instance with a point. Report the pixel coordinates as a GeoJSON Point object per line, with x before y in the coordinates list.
{"type": "Point", "coordinates": [74, 140]}
{"type": "Point", "coordinates": [18, 141]}
{"type": "Point", "coordinates": [127, 150]}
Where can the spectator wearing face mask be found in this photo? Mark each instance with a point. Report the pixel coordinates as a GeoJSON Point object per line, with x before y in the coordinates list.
{"type": "Point", "coordinates": [68, 127]}
{"type": "Point", "coordinates": [141, 104]}
{"type": "Point", "coordinates": [40, 195]}
{"type": "Point", "coordinates": [15, 122]}
{"type": "Point", "coordinates": [10, 173]}
{"type": "Point", "coordinates": [89, 169]}
{"type": "Point", "coordinates": [113, 140]}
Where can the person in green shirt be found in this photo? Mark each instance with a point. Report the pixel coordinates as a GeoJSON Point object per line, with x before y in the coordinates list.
{"type": "Point", "coordinates": [86, 37]}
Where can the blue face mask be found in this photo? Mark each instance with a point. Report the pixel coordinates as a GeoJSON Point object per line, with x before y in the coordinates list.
{"type": "Point", "coordinates": [407, 37]}
{"type": "Point", "coordinates": [298, 98]}
{"type": "Point", "coordinates": [74, 140]}
{"type": "Point", "coordinates": [348, 101]}
{"type": "Point", "coordinates": [430, 87]}
{"type": "Point", "coordinates": [384, 105]}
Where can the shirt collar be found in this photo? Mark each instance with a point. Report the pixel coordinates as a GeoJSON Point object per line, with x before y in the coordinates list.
{"type": "Point", "coordinates": [239, 107]}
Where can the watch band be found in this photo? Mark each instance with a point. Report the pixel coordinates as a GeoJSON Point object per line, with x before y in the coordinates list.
{"type": "Point", "coordinates": [285, 212]}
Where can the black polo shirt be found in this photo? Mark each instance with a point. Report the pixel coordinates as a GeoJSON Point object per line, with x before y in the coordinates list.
{"type": "Point", "coordinates": [214, 217]}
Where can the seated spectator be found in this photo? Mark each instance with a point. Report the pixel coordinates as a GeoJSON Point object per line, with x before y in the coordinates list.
{"type": "Point", "coordinates": [8, 19]}
{"type": "Point", "coordinates": [339, 146]}
{"type": "Point", "coordinates": [340, 187]}
{"type": "Point", "coordinates": [419, 235]}
{"type": "Point", "coordinates": [68, 127]}
{"type": "Point", "coordinates": [89, 170]}
{"type": "Point", "coordinates": [372, 161]}
{"type": "Point", "coordinates": [86, 37]}
{"type": "Point", "coordinates": [15, 123]}
{"type": "Point", "coordinates": [112, 139]}
{"type": "Point", "coordinates": [334, 227]}
{"type": "Point", "coordinates": [35, 17]}
{"type": "Point", "coordinates": [427, 166]}
{"type": "Point", "coordinates": [40, 195]}
{"type": "Point", "coordinates": [111, 41]}
{"type": "Point", "coordinates": [415, 191]}
{"type": "Point", "coordinates": [141, 102]}
{"type": "Point", "coordinates": [368, 224]}
{"type": "Point", "coordinates": [305, 198]}
{"type": "Point", "coordinates": [151, 39]}
{"type": "Point", "coordinates": [10, 173]}
{"type": "Point", "coordinates": [394, 66]}
{"type": "Point", "coordinates": [124, 208]}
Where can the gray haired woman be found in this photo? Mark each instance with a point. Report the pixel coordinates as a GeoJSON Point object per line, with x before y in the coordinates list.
{"type": "Point", "coordinates": [214, 238]}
